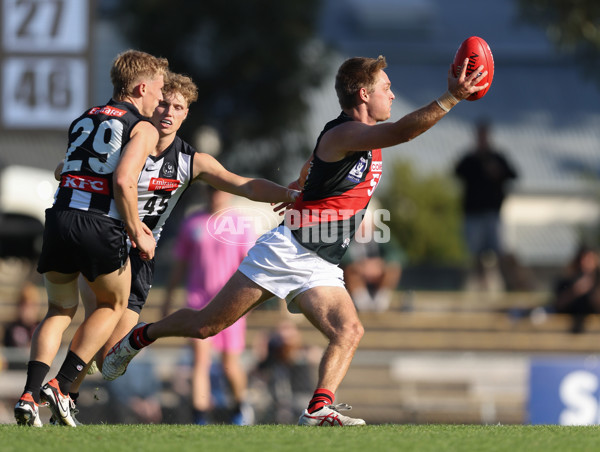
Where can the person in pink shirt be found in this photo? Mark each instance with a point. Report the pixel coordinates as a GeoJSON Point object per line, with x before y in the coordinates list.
{"type": "Point", "coordinates": [208, 251]}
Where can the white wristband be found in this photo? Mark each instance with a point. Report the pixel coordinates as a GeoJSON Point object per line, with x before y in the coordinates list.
{"type": "Point", "coordinates": [442, 106]}
{"type": "Point", "coordinates": [446, 101]}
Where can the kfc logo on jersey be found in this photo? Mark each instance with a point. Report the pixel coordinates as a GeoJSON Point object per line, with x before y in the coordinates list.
{"type": "Point", "coordinates": [85, 183]}
{"type": "Point", "coordinates": [159, 183]}
{"type": "Point", "coordinates": [107, 110]}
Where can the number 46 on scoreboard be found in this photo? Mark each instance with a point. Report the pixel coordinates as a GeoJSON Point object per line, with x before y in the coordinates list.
{"type": "Point", "coordinates": [43, 92]}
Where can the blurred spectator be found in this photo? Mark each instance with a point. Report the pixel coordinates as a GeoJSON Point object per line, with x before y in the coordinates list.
{"type": "Point", "coordinates": [283, 381]}
{"type": "Point", "coordinates": [372, 267]}
{"type": "Point", "coordinates": [484, 173]}
{"type": "Point", "coordinates": [19, 332]}
{"type": "Point", "coordinates": [577, 292]}
{"type": "Point", "coordinates": [208, 250]}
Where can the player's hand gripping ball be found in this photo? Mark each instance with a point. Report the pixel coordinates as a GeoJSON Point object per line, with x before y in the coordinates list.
{"type": "Point", "coordinates": [478, 52]}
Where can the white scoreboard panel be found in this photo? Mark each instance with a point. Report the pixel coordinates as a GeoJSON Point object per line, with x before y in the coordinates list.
{"type": "Point", "coordinates": [45, 59]}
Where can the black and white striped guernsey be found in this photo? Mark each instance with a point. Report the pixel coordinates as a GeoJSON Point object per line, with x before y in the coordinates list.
{"type": "Point", "coordinates": [96, 141]}
{"type": "Point", "coordinates": [162, 182]}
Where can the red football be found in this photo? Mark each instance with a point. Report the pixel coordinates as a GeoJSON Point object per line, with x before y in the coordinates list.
{"type": "Point", "coordinates": [478, 52]}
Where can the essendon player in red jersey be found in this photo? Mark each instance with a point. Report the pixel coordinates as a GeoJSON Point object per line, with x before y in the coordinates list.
{"type": "Point", "coordinates": [298, 259]}
{"type": "Point", "coordinates": [94, 209]}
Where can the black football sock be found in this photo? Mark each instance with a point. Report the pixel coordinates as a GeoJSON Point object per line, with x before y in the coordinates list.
{"type": "Point", "coordinates": [71, 367]}
{"type": "Point", "coordinates": [74, 396]}
{"type": "Point", "coordinates": [36, 372]}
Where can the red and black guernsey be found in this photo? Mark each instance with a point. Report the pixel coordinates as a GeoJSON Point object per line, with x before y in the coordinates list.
{"type": "Point", "coordinates": [335, 196]}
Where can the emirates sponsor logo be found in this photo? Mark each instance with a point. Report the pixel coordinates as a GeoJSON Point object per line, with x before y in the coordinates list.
{"type": "Point", "coordinates": [107, 110]}
{"type": "Point", "coordinates": [85, 183]}
{"type": "Point", "coordinates": [159, 183]}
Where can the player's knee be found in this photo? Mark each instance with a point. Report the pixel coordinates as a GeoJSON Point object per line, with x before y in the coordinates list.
{"type": "Point", "coordinates": [357, 331]}
{"type": "Point", "coordinates": [351, 333]}
{"type": "Point", "coordinates": [360, 330]}
{"type": "Point", "coordinates": [57, 310]}
{"type": "Point", "coordinates": [114, 302]}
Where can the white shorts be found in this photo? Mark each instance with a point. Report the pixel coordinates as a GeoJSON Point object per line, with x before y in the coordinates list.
{"type": "Point", "coordinates": [279, 264]}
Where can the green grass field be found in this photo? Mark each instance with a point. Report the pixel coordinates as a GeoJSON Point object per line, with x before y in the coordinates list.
{"type": "Point", "coordinates": [375, 438]}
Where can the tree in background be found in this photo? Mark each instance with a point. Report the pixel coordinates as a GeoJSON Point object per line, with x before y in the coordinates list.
{"type": "Point", "coordinates": [425, 215]}
{"type": "Point", "coordinates": [572, 25]}
{"type": "Point", "coordinates": [252, 61]}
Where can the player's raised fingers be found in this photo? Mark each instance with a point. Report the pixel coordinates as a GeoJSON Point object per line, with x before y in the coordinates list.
{"type": "Point", "coordinates": [477, 73]}
{"type": "Point", "coordinates": [463, 70]}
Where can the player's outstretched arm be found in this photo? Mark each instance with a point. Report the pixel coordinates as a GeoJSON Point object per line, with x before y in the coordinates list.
{"type": "Point", "coordinates": [212, 172]}
{"type": "Point", "coordinates": [359, 136]}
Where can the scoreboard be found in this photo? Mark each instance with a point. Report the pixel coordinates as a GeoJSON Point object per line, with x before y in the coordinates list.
{"type": "Point", "coordinates": [45, 58]}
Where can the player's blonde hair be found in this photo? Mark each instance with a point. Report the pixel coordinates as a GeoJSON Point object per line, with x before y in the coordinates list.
{"type": "Point", "coordinates": [131, 67]}
{"type": "Point", "coordinates": [182, 84]}
{"type": "Point", "coordinates": [354, 74]}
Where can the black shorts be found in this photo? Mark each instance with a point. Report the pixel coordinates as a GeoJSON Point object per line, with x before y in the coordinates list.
{"type": "Point", "coordinates": [142, 275]}
{"type": "Point", "coordinates": [80, 241]}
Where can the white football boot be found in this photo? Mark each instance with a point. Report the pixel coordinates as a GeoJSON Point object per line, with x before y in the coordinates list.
{"type": "Point", "coordinates": [329, 416]}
